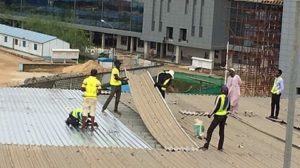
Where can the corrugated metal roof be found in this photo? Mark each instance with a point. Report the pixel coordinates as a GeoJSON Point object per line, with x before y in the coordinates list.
{"type": "Point", "coordinates": [37, 117]}
{"type": "Point", "coordinates": [25, 34]}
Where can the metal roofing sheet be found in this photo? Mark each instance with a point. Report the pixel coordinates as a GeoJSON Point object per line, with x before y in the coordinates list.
{"type": "Point", "coordinates": [37, 117]}
{"type": "Point", "coordinates": [156, 114]}
{"type": "Point", "coordinates": [25, 34]}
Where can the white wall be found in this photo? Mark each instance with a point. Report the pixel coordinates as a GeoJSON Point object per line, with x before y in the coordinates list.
{"type": "Point", "coordinates": [54, 44]}
{"type": "Point", "coordinates": [9, 42]}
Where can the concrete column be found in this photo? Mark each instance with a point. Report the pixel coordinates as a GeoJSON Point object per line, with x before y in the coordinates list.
{"type": "Point", "coordinates": [103, 41]}
{"type": "Point", "coordinates": [162, 49]}
{"type": "Point", "coordinates": [146, 49]}
{"type": "Point", "coordinates": [212, 57]}
{"type": "Point", "coordinates": [92, 35]}
{"type": "Point", "coordinates": [131, 44]}
{"type": "Point", "coordinates": [177, 54]}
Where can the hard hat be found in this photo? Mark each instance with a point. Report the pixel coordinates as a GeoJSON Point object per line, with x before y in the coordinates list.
{"type": "Point", "coordinates": [232, 69]}
{"type": "Point", "coordinates": [171, 72]}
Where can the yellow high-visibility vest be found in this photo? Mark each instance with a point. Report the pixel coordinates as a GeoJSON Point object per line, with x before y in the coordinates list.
{"type": "Point", "coordinates": [76, 113]}
{"type": "Point", "coordinates": [222, 110]}
{"type": "Point", "coordinates": [91, 85]}
{"type": "Point", "coordinates": [113, 81]}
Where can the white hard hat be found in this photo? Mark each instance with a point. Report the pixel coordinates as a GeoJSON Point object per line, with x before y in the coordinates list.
{"type": "Point", "coordinates": [171, 72]}
{"type": "Point", "coordinates": [232, 69]}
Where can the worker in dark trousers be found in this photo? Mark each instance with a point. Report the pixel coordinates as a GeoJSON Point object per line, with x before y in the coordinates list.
{"type": "Point", "coordinates": [115, 83]}
{"type": "Point", "coordinates": [163, 81]}
{"type": "Point", "coordinates": [222, 105]}
{"type": "Point", "coordinates": [276, 91]}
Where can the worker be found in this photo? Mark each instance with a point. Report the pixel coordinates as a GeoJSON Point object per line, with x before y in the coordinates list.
{"type": "Point", "coordinates": [222, 105]}
{"type": "Point", "coordinates": [276, 91]}
{"type": "Point", "coordinates": [234, 83]}
{"type": "Point", "coordinates": [115, 83]}
{"type": "Point", "coordinates": [91, 87]}
{"type": "Point", "coordinates": [75, 118]}
{"type": "Point", "coordinates": [163, 81]}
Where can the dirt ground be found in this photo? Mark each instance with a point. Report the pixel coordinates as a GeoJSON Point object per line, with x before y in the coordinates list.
{"type": "Point", "coordinates": [9, 74]}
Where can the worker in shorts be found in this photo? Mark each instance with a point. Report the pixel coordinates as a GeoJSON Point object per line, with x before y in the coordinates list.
{"type": "Point", "coordinates": [91, 87]}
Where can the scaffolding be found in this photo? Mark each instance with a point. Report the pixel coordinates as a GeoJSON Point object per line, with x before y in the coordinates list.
{"type": "Point", "coordinates": [254, 29]}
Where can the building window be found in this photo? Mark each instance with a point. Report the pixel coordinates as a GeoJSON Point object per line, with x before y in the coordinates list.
{"type": "Point", "coordinates": [5, 39]}
{"type": "Point", "coordinates": [182, 35]}
{"type": "Point", "coordinates": [123, 40]}
{"type": "Point", "coordinates": [140, 43]}
{"type": "Point", "coordinates": [186, 6]}
{"type": "Point", "coordinates": [169, 4]}
{"type": "Point", "coordinates": [153, 26]}
{"type": "Point", "coordinates": [193, 31]}
{"type": "Point", "coordinates": [24, 43]}
{"type": "Point", "coordinates": [16, 41]}
{"type": "Point", "coordinates": [169, 32]}
{"type": "Point", "coordinates": [35, 46]}
{"type": "Point", "coordinates": [200, 31]}
{"type": "Point", "coordinates": [153, 15]}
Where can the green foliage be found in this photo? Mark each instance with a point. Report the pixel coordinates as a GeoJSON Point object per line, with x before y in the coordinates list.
{"type": "Point", "coordinates": [49, 25]}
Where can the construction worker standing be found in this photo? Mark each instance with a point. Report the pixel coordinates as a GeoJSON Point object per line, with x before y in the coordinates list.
{"type": "Point", "coordinates": [163, 81]}
{"type": "Point", "coordinates": [91, 87]}
{"type": "Point", "coordinates": [115, 83]}
{"type": "Point", "coordinates": [276, 91]}
{"type": "Point", "coordinates": [222, 105]}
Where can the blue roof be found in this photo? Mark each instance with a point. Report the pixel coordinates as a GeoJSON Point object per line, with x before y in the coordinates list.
{"type": "Point", "coordinates": [25, 34]}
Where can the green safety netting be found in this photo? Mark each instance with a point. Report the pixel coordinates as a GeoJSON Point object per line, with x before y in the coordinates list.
{"type": "Point", "coordinates": [197, 84]}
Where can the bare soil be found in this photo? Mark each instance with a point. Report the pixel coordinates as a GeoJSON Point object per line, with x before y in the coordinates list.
{"type": "Point", "coordinates": [9, 74]}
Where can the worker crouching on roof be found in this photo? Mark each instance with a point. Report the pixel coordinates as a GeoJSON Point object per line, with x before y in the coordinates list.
{"type": "Point", "coordinates": [75, 118]}
{"type": "Point", "coordinates": [116, 84]}
{"type": "Point", "coordinates": [163, 81]}
{"type": "Point", "coordinates": [91, 87]}
{"type": "Point", "coordinates": [222, 105]}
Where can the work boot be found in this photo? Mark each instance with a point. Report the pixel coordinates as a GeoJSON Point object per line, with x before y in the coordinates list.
{"type": "Point", "coordinates": [83, 122]}
{"type": "Point", "coordinates": [92, 123]}
{"type": "Point", "coordinates": [116, 111]}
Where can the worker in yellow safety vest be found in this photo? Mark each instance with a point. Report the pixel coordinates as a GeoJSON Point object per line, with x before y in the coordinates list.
{"type": "Point", "coordinates": [75, 118]}
{"type": "Point", "coordinates": [222, 105]}
{"type": "Point", "coordinates": [91, 87]}
{"type": "Point", "coordinates": [116, 84]}
{"type": "Point", "coordinates": [276, 91]}
{"type": "Point", "coordinates": [163, 81]}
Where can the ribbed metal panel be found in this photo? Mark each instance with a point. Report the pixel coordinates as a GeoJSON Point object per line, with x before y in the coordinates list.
{"type": "Point", "coordinates": [25, 34]}
{"type": "Point", "coordinates": [37, 117]}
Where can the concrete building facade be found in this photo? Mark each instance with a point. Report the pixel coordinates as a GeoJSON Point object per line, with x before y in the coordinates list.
{"type": "Point", "coordinates": [178, 29]}
{"type": "Point", "coordinates": [185, 28]}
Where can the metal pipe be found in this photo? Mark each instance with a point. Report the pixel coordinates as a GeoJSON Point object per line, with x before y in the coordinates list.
{"type": "Point", "coordinates": [292, 94]}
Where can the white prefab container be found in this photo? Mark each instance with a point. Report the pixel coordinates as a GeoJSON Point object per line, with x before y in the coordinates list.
{"type": "Point", "coordinates": [201, 63]}
{"type": "Point", "coordinates": [30, 42]}
{"type": "Point", "coordinates": [65, 55]}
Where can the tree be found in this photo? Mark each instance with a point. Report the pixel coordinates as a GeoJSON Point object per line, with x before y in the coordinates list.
{"type": "Point", "coordinates": [49, 25]}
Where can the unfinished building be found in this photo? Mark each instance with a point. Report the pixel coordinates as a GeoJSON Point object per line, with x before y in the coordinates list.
{"type": "Point", "coordinates": [255, 32]}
